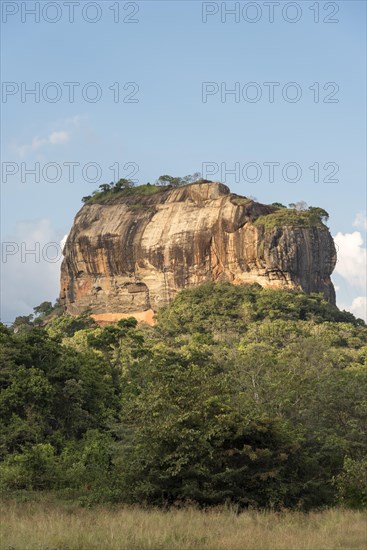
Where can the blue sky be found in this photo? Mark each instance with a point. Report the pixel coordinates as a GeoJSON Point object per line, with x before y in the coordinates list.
{"type": "Point", "coordinates": [166, 56]}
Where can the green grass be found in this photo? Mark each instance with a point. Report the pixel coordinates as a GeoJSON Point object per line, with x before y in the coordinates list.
{"type": "Point", "coordinates": [291, 217]}
{"type": "Point", "coordinates": [56, 525]}
{"type": "Point", "coordinates": [138, 191]}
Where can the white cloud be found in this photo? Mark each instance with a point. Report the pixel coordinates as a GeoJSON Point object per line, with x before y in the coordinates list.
{"type": "Point", "coordinates": [63, 241]}
{"type": "Point", "coordinates": [31, 259]}
{"type": "Point", "coordinates": [352, 258]}
{"type": "Point", "coordinates": [58, 137]}
{"type": "Point", "coordinates": [360, 221]}
{"type": "Point", "coordinates": [358, 307]}
{"type": "Point", "coordinates": [55, 138]}
{"type": "Point", "coordinates": [75, 120]}
{"type": "Point", "coordinates": [35, 144]}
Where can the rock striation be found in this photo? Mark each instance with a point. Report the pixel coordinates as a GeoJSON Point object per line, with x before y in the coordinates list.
{"type": "Point", "coordinates": [132, 253]}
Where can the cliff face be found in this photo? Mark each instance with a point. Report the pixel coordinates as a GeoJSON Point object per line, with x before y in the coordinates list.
{"type": "Point", "coordinates": [132, 254]}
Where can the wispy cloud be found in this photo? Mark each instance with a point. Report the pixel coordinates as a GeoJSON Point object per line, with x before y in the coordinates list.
{"type": "Point", "coordinates": [75, 120]}
{"type": "Point", "coordinates": [360, 221]}
{"type": "Point", "coordinates": [58, 137]}
{"type": "Point", "coordinates": [54, 138]}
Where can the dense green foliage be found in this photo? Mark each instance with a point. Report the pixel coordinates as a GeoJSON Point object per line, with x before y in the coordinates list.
{"type": "Point", "coordinates": [42, 314]}
{"type": "Point", "coordinates": [311, 217]}
{"type": "Point", "coordinates": [237, 394]}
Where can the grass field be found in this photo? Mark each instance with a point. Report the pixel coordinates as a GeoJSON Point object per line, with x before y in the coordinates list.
{"type": "Point", "coordinates": [65, 526]}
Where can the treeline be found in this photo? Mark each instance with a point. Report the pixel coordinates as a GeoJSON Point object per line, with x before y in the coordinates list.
{"type": "Point", "coordinates": [238, 394]}
{"type": "Point", "coordinates": [41, 315]}
{"type": "Point", "coordinates": [297, 214]}
{"type": "Point", "coordinates": [124, 186]}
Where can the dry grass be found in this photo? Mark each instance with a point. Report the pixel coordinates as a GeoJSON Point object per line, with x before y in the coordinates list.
{"type": "Point", "coordinates": [51, 526]}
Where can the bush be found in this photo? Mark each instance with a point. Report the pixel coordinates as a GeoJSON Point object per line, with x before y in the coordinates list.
{"type": "Point", "coordinates": [313, 217]}
{"type": "Point", "coordinates": [352, 483]}
{"type": "Point", "coordinates": [34, 468]}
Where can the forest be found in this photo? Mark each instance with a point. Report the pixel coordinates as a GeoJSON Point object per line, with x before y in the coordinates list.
{"type": "Point", "coordinates": [237, 395]}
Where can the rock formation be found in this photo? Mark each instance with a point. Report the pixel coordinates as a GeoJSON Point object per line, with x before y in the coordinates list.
{"type": "Point", "coordinates": [132, 253]}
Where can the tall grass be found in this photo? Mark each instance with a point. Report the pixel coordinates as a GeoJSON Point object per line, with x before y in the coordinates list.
{"type": "Point", "coordinates": [51, 525]}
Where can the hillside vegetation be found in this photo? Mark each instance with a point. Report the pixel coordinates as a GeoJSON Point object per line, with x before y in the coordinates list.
{"type": "Point", "coordinates": [310, 217]}
{"type": "Point", "coordinates": [239, 395]}
{"type": "Point", "coordinates": [297, 215]}
{"type": "Point", "coordinates": [127, 188]}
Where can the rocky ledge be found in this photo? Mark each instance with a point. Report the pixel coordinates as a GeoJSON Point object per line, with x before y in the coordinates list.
{"type": "Point", "coordinates": [132, 253]}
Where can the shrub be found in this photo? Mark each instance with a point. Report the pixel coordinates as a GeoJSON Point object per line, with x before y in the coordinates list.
{"type": "Point", "coordinates": [34, 468]}
{"type": "Point", "coordinates": [352, 483]}
{"type": "Point", "coordinates": [313, 217]}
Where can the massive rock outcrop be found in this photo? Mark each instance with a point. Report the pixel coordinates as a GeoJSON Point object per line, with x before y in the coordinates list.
{"type": "Point", "coordinates": [132, 253]}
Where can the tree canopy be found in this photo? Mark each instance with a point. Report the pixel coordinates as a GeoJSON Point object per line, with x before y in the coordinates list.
{"type": "Point", "coordinates": [238, 394]}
